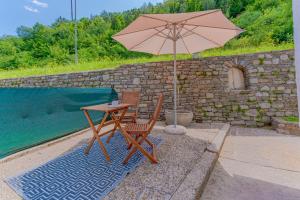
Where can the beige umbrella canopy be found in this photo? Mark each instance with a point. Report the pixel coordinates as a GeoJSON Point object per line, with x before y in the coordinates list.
{"type": "Point", "coordinates": [182, 33]}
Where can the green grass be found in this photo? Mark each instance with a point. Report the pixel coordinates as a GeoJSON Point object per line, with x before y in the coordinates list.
{"type": "Point", "coordinates": [291, 119]}
{"type": "Point", "coordinates": [110, 64]}
{"type": "Point", "coordinates": [246, 50]}
{"type": "Point", "coordinates": [96, 65]}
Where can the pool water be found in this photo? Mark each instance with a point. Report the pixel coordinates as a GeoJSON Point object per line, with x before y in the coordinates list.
{"type": "Point", "coordinates": [31, 116]}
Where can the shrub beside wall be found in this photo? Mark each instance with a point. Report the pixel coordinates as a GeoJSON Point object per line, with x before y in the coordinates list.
{"type": "Point", "coordinates": [269, 89]}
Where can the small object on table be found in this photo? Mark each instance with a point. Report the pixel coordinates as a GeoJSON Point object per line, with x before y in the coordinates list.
{"type": "Point", "coordinates": [115, 103]}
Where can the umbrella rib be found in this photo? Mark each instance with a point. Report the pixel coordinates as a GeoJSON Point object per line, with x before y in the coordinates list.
{"type": "Point", "coordinates": [163, 43]}
{"type": "Point", "coordinates": [121, 34]}
{"type": "Point", "coordinates": [234, 29]}
{"type": "Point", "coordinates": [178, 33]}
{"type": "Point", "coordinates": [200, 15]}
{"type": "Point", "coordinates": [185, 44]}
{"type": "Point", "coordinates": [166, 35]}
{"type": "Point", "coordinates": [188, 31]}
{"type": "Point", "coordinates": [156, 18]}
{"type": "Point", "coordinates": [203, 37]}
{"type": "Point", "coordinates": [146, 39]}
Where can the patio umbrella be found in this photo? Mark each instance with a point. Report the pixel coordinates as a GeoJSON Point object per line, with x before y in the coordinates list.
{"type": "Point", "coordinates": [182, 33]}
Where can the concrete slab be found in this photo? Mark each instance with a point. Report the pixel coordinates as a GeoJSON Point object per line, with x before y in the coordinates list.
{"type": "Point", "coordinates": [204, 131]}
{"type": "Point", "coordinates": [193, 184]}
{"type": "Point", "coordinates": [263, 147]}
{"type": "Point", "coordinates": [256, 164]}
{"type": "Point", "coordinates": [217, 142]}
{"type": "Point", "coordinates": [234, 180]}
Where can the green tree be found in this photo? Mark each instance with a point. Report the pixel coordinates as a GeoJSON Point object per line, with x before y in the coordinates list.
{"type": "Point", "coordinates": [265, 22]}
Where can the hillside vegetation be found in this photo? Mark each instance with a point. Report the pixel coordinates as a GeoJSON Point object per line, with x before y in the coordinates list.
{"type": "Point", "coordinates": [49, 49]}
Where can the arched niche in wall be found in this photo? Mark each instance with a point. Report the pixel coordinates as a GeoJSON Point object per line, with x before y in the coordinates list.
{"type": "Point", "coordinates": [236, 78]}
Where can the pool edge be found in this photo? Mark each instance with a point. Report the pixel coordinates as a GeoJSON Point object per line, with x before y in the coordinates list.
{"type": "Point", "coordinates": [41, 146]}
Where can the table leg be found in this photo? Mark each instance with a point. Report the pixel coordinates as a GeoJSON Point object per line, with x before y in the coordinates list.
{"type": "Point", "coordinates": [90, 144]}
{"type": "Point", "coordinates": [112, 134]}
{"type": "Point", "coordinates": [113, 116]}
{"type": "Point", "coordinates": [96, 136]}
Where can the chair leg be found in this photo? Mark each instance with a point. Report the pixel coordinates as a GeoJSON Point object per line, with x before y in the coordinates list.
{"type": "Point", "coordinates": [130, 144]}
{"type": "Point", "coordinates": [152, 157]}
{"type": "Point", "coordinates": [153, 148]}
{"type": "Point", "coordinates": [133, 150]}
{"type": "Point", "coordinates": [149, 142]}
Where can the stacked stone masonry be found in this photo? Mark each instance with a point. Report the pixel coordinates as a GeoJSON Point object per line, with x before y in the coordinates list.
{"type": "Point", "coordinates": [285, 127]}
{"type": "Point", "coordinates": [203, 86]}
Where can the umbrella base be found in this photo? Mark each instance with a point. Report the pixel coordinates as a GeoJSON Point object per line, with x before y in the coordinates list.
{"type": "Point", "coordinates": [178, 130]}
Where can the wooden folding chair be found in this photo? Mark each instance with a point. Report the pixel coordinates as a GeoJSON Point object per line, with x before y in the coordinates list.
{"type": "Point", "coordinates": [140, 132]}
{"type": "Point", "coordinates": [132, 98]}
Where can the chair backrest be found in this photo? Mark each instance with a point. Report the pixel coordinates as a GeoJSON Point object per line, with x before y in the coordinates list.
{"type": "Point", "coordinates": [131, 97]}
{"type": "Point", "coordinates": [157, 110]}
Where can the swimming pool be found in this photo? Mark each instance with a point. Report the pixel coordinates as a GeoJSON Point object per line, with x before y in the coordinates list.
{"type": "Point", "coordinates": [31, 116]}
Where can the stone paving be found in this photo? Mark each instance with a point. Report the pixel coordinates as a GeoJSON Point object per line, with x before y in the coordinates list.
{"type": "Point", "coordinates": [256, 164]}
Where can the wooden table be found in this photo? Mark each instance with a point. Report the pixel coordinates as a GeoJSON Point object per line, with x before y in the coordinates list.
{"type": "Point", "coordinates": [110, 111]}
{"type": "Point", "coordinates": [116, 120]}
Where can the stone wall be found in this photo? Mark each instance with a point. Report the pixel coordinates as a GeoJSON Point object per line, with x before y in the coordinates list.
{"type": "Point", "coordinates": [285, 127]}
{"type": "Point", "coordinates": [203, 85]}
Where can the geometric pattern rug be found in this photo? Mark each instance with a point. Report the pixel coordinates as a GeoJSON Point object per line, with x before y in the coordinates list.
{"type": "Point", "coordinates": [76, 176]}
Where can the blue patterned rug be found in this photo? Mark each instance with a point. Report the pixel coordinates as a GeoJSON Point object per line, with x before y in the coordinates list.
{"type": "Point", "coordinates": [77, 176]}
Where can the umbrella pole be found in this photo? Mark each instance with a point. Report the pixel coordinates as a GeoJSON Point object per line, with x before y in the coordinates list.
{"type": "Point", "coordinates": [175, 78]}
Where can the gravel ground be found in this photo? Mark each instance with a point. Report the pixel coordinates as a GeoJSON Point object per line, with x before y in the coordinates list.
{"type": "Point", "coordinates": [177, 156]}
